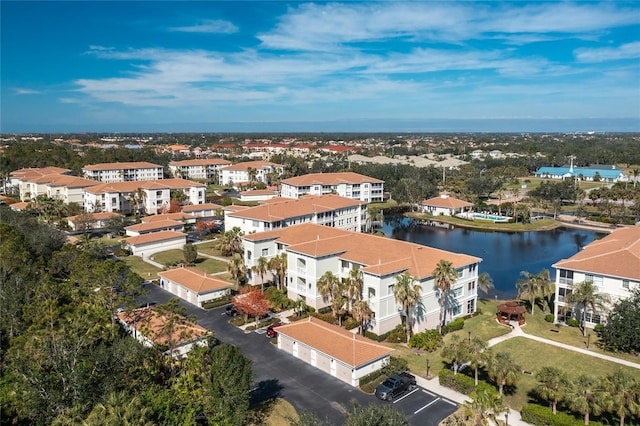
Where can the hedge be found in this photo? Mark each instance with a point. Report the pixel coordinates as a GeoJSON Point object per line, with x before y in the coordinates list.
{"type": "Point", "coordinates": [216, 303]}
{"type": "Point", "coordinates": [543, 416]}
{"type": "Point", "coordinates": [463, 383]}
{"type": "Point", "coordinates": [572, 322]}
{"type": "Point", "coordinates": [455, 325]}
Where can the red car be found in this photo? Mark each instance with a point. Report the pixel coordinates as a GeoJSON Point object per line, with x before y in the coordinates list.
{"type": "Point", "coordinates": [271, 332]}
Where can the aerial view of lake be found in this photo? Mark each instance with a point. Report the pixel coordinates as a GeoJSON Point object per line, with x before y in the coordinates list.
{"type": "Point", "coordinates": [504, 254]}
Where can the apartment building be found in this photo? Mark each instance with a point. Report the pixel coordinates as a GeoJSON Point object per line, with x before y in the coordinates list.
{"type": "Point", "coordinates": [314, 249]}
{"type": "Point", "coordinates": [148, 197]}
{"type": "Point", "coordinates": [346, 184]}
{"type": "Point", "coordinates": [611, 263]}
{"type": "Point", "coordinates": [327, 210]}
{"type": "Point", "coordinates": [250, 171]}
{"type": "Point", "coordinates": [123, 172]}
{"type": "Point", "coordinates": [201, 168]}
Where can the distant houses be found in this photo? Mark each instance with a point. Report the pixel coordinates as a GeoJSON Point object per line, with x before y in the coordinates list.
{"type": "Point", "coordinates": [603, 173]}
{"type": "Point", "coordinates": [123, 172]}
{"type": "Point", "coordinates": [445, 205]}
{"type": "Point", "coordinates": [346, 184]}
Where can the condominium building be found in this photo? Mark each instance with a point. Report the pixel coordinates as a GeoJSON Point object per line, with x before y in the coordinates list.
{"type": "Point", "coordinates": [250, 171]}
{"type": "Point", "coordinates": [328, 210]}
{"type": "Point", "coordinates": [312, 250]}
{"type": "Point", "coordinates": [123, 172]}
{"type": "Point", "coordinates": [346, 184]}
{"type": "Point", "coordinates": [149, 197]}
{"type": "Point", "coordinates": [201, 168]}
{"type": "Point", "coordinates": [611, 263]}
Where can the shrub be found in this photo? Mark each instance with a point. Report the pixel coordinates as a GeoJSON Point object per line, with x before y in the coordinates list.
{"type": "Point", "coordinates": [540, 415]}
{"type": "Point", "coordinates": [210, 304]}
{"type": "Point", "coordinates": [462, 383]}
{"type": "Point", "coordinates": [327, 317]}
{"type": "Point", "coordinates": [572, 322]}
{"type": "Point", "coordinates": [428, 340]}
{"type": "Point", "coordinates": [455, 325]}
{"type": "Point", "coordinates": [350, 323]}
{"type": "Point", "coordinates": [325, 310]}
{"type": "Point", "coordinates": [549, 318]}
{"type": "Point", "coordinates": [397, 335]}
{"type": "Point", "coordinates": [278, 298]}
{"type": "Point", "coordinates": [598, 329]}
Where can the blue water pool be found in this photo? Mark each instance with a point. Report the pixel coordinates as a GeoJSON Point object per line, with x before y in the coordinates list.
{"type": "Point", "coordinates": [492, 217]}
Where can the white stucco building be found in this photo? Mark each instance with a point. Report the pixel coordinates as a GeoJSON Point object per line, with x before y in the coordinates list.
{"type": "Point", "coordinates": [346, 184]}
{"type": "Point", "coordinates": [147, 244]}
{"type": "Point", "coordinates": [194, 286]}
{"type": "Point", "coordinates": [445, 205]}
{"type": "Point", "coordinates": [314, 249]}
{"type": "Point", "coordinates": [256, 171]}
{"type": "Point", "coordinates": [200, 168]}
{"type": "Point", "coordinates": [123, 172]}
{"type": "Point", "coordinates": [611, 263]}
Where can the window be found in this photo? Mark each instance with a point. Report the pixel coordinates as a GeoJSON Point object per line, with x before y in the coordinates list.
{"type": "Point", "coordinates": [456, 310]}
{"type": "Point", "coordinates": [265, 252]}
{"type": "Point", "coordinates": [471, 285]}
{"type": "Point", "coordinates": [625, 284]}
{"type": "Point", "coordinates": [371, 292]}
{"type": "Point", "coordinates": [390, 290]}
{"type": "Point", "coordinates": [471, 304]}
{"type": "Point", "coordinates": [457, 292]}
{"type": "Point", "coordinates": [460, 273]}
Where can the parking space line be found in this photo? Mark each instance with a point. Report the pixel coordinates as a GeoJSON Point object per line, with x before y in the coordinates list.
{"type": "Point", "coordinates": [428, 393]}
{"type": "Point", "coordinates": [404, 396]}
{"type": "Point", "coordinates": [449, 402]}
{"type": "Point", "coordinates": [432, 402]}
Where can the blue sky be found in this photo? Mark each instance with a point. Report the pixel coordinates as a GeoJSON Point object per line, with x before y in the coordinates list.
{"type": "Point", "coordinates": [208, 65]}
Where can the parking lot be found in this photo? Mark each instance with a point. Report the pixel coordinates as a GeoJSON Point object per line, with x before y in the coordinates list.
{"type": "Point", "coordinates": [422, 407]}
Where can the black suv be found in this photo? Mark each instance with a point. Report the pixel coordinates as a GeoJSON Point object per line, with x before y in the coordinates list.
{"type": "Point", "coordinates": [231, 311]}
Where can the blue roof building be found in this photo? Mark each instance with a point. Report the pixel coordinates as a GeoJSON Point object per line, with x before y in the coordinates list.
{"type": "Point", "coordinates": [606, 173]}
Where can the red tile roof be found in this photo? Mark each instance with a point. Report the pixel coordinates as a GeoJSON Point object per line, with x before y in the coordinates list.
{"type": "Point", "coordinates": [253, 164]}
{"type": "Point", "coordinates": [121, 166]}
{"type": "Point", "coordinates": [201, 162]}
{"type": "Point", "coordinates": [152, 324]}
{"type": "Point", "coordinates": [155, 237]}
{"type": "Point", "coordinates": [616, 255]}
{"type": "Point", "coordinates": [201, 207]}
{"type": "Point", "coordinates": [284, 208]}
{"type": "Point", "coordinates": [335, 342]}
{"type": "Point", "coordinates": [330, 179]}
{"type": "Point", "coordinates": [446, 202]}
{"type": "Point", "coordinates": [195, 280]}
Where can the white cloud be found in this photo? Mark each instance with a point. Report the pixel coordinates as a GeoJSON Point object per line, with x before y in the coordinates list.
{"type": "Point", "coordinates": [22, 91]}
{"type": "Point", "coordinates": [625, 51]}
{"type": "Point", "coordinates": [209, 26]}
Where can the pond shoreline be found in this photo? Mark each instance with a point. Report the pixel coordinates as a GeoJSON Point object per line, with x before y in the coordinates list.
{"type": "Point", "coordinates": [512, 227]}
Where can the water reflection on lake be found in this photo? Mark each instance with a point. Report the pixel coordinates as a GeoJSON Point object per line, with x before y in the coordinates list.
{"type": "Point", "coordinates": [504, 254]}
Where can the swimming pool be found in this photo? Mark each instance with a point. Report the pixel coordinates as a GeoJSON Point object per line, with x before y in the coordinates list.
{"type": "Point", "coordinates": [492, 217]}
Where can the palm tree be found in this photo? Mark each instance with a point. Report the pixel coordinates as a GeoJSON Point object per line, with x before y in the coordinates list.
{"type": "Point", "coordinates": [261, 268]}
{"type": "Point", "coordinates": [445, 277]}
{"type": "Point", "coordinates": [476, 355]}
{"type": "Point", "coordinates": [300, 305]}
{"type": "Point", "coordinates": [585, 295]}
{"type": "Point", "coordinates": [237, 269]}
{"type": "Point", "coordinates": [484, 405]}
{"type": "Point", "coordinates": [354, 283]}
{"type": "Point", "coordinates": [583, 397]}
{"type": "Point", "coordinates": [503, 370]}
{"type": "Point", "coordinates": [362, 313]}
{"type": "Point", "coordinates": [553, 383]}
{"type": "Point", "coordinates": [330, 287]}
{"type": "Point", "coordinates": [455, 352]}
{"type": "Point", "coordinates": [121, 409]}
{"type": "Point", "coordinates": [621, 395]}
{"type": "Point", "coordinates": [230, 242]}
{"type": "Point", "coordinates": [278, 264]}
{"type": "Point", "coordinates": [533, 286]}
{"type": "Point", "coordinates": [485, 282]}
{"type": "Point", "coordinates": [406, 294]}
{"type": "Point", "coordinates": [635, 176]}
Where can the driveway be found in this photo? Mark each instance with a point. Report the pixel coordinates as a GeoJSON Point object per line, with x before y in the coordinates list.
{"type": "Point", "coordinates": [278, 374]}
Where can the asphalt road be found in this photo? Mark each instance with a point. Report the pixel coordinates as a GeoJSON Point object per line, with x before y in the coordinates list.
{"type": "Point", "coordinates": [278, 374]}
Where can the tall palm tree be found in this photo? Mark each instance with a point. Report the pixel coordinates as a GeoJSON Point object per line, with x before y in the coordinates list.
{"type": "Point", "coordinates": [583, 397]}
{"type": "Point", "coordinates": [278, 264]}
{"type": "Point", "coordinates": [330, 288]}
{"type": "Point", "coordinates": [445, 277]}
{"type": "Point", "coordinates": [300, 305]}
{"type": "Point", "coordinates": [362, 313]}
{"type": "Point", "coordinates": [476, 355]}
{"type": "Point", "coordinates": [485, 405]}
{"type": "Point", "coordinates": [455, 352]}
{"type": "Point", "coordinates": [407, 294]}
{"type": "Point", "coordinates": [533, 286]}
{"type": "Point", "coordinates": [503, 370]}
{"type": "Point", "coordinates": [261, 267]}
{"type": "Point", "coordinates": [354, 284]}
{"type": "Point", "coordinates": [621, 395]}
{"type": "Point", "coordinates": [120, 409]}
{"type": "Point", "coordinates": [585, 295]}
{"type": "Point", "coordinates": [485, 282]}
{"type": "Point", "coordinates": [553, 384]}
{"type": "Point", "coordinates": [237, 269]}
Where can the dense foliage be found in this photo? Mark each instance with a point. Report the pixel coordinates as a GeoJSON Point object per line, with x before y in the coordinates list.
{"type": "Point", "coordinates": [621, 332]}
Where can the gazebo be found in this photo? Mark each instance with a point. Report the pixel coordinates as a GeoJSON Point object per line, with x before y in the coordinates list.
{"type": "Point", "coordinates": [511, 311]}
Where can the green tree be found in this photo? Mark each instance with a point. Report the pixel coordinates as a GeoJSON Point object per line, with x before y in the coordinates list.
{"type": "Point", "coordinates": [407, 293]}
{"type": "Point", "coordinates": [477, 356]}
{"type": "Point", "coordinates": [260, 268]}
{"type": "Point", "coordinates": [374, 415]}
{"type": "Point", "coordinates": [228, 381]}
{"type": "Point", "coordinates": [237, 269]}
{"type": "Point", "coordinates": [363, 314]}
{"type": "Point", "coordinates": [300, 305]}
{"type": "Point", "coordinates": [553, 385]}
{"type": "Point", "coordinates": [445, 277]}
{"type": "Point", "coordinates": [484, 406]}
{"type": "Point", "coordinates": [533, 287]}
{"type": "Point", "coordinates": [354, 284]}
{"type": "Point", "coordinates": [585, 295]}
{"type": "Point", "coordinates": [230, 242]}
{"type": "Point", "coordinates": [583, 397]}
{"type": "Point", "coordinates": [330, 288]}
{"type": "Point", "coordinates": [455, 352]}
{"type": "Point", "coordinates": [621, 332]}
{"type": "Point", "coordinates": [278, 264]}
{"type": "Point", "coordinates": [485, 282]}
{"type": "Point", "coordinates": [119, 409]}
{"type": "Point", "coordinates": [621, 395]}
{"type": "Point", "coordinates": [190, 253]}
{"type": "Point", "coordinates": [503, 370]}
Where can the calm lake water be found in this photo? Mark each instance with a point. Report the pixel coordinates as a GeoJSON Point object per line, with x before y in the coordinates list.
{"type": "Point", "coordinates": [504, 254]}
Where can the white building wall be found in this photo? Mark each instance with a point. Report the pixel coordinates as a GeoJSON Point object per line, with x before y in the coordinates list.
{"type": "Point", "coordinates": [146, 250]}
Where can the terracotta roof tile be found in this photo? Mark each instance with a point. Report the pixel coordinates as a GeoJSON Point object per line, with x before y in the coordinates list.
{"type": "Point", "coordinates": [124, 165]}
{"type": "Point", "coordinates": [446, 202]}
{"type": "Point", "coordinates": [330, 179]}
{"type": "Point", "coordinates": [201, 162]}
{"type": "Point", "coordinates": [146, 184]}
{"type": "Point", "coordinates": [167, 216]}
{"type": "Point", "coordinates": [154, 225]}
{"type": "Point", "coordinates": [336, 342]}
{"type": "Point", "coordinates": [283, 208]}
{"type": "Point", "coordinates": [195, 280]}
{"type": "Point", "coordinates": [151, 324]}
{"type": "Point", "coordinates": [253, 164]}
{"type": "Point", "coordinates": [616, 255]}
{"type": "Point", "coordinates": [201, 207]}
{"type": "Point", "coordinates": [154, 237]}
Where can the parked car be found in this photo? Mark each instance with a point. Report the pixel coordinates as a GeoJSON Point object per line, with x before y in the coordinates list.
{"type": "Point", "coordinates": [271, 332]}
{"type": "Point", "coordinates": [231, 310]}
{"type": "Point", "coordinates": [395, 385]}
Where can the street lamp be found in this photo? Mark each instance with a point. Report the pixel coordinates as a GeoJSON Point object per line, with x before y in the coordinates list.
{"type": "Point", "coordinates": [427, 368]}
{"type": "Point", "coordinates": [588, 339]}
{"type": "Point", "coordinates": [469, 337]}
{"type": "Point", "coordinates": [506, 419]}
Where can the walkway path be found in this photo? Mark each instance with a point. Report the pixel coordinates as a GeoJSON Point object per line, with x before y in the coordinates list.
{"type": "Point", "coordinates": [517, 332]}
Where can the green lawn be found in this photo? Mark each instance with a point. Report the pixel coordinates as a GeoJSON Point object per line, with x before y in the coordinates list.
{"type": "Point", "coordinates": [533, 183]}
{"type": "Point", "coordinates": [532, 356]}
{"type": "Point", "coordinates": [169, 257]}
{"type": "Point", "coordinates": [205, 264]}
{"type": "Point", "coordinates": [534, 225]}
{"type": "Point", "coordinates": [140, 267]}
